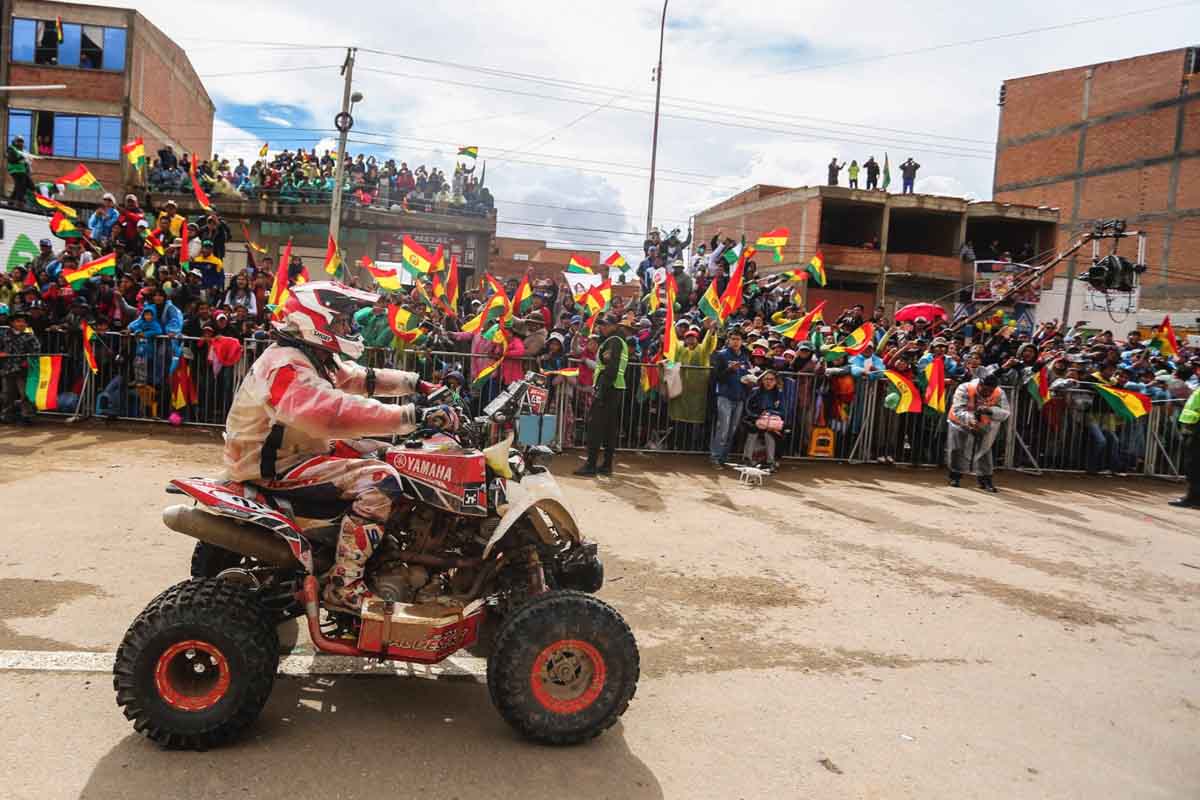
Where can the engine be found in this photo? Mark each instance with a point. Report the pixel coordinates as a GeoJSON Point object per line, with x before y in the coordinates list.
{"type": "Point", "coordinates": [425, 555]}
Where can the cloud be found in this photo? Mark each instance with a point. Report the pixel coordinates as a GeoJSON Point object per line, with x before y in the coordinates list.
{"type": "Point", "coordinates": [275, 120]}
{"type": "Point", "coordinates": [747, 93]}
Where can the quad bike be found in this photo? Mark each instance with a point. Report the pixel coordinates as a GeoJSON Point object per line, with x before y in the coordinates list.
{"type": "Point", "coordinates": [481, 552]}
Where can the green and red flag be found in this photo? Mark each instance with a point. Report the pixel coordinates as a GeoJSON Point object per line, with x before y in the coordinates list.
{"type": "Point", "coordinates": [80, 178]}
{"type": "Point", "coordinates": [405, 324]}
{"type": "Point", "coordinates": [1125, 404]}
{"type": "Point", "coordinates": [135, 153]}
{"type": "Point", "coordinates": [53, 205]}
{"type": "Point", "coordinates": [415, 258]}
{"type": "Point", "coordinates": [201, 197]}
{"type": "Point", "coordinates": [63, 228]}
{"type": "Point", "coordinates": [523, 297]}
{"type": "Point", "coordinates": [333, 260]}
{"type": "Point", "coordinates": [799, 329]}
{"type": "Point", "coordinates": [616, 260]}
{"type": "Point", "coordinates": [816, 268]}
{"type": "Point", "coordinates": [89, 352]}
{"type": "Point", "coordinates": [1038, 386]}
{"type": "Point", "coordinates": [579, 264]}
{"type": "Point", "coordinates": [105, 265]}
{"type": "Point", "coordinates": [1164, 340]}
{"type": "Point", "coordinates": [41, 381]}
{"type": "Point", "coordinates": [910, 397]}
{"type": "Point", "coordinates": [935, 384]}
{"type": "Point", "coordinates": [471, 151]}
{"type": "Point", "coordinates": [774, 240]}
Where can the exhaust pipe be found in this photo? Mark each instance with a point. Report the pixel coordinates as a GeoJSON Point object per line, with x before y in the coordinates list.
{"type": "Point", "coordinates": [229, 534]}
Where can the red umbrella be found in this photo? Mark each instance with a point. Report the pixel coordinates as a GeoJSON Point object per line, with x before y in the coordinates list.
{"type": "Point", "coordinates": [930, 311]}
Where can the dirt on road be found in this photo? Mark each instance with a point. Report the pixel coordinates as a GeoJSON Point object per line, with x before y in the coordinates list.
{"type": "Point", "coordinates": [842, 631]}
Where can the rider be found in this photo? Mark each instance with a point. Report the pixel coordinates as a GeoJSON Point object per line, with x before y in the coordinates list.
{"type": "Point", "coordinates": [294, 423]}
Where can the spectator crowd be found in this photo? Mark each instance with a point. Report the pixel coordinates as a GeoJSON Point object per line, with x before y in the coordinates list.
{"type": "Point", "coordinates": [159, 310]}
{"type": "Point", "coordinates": [306, 177]}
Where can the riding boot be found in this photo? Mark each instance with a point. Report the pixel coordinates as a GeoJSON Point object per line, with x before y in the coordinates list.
{"type": "Point", "coordinates": [357, 540]}
{"type": "Point", "coordinates": [985, 483]}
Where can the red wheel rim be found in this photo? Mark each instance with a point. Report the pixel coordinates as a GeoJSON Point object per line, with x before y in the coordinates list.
{"type": "Point", "coordinates": [192, 675]}
{"type": "Point", "coordinates": [567, 676]}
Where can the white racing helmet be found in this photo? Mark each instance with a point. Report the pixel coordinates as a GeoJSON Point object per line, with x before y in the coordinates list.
{"type": "Point", "coordinates": [321, 313]}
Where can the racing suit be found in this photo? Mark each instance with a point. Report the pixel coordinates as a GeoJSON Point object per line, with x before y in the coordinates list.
{"type": "Point", "coordinates": [969, 429]}
{"type": "Point", "coordinates": [294, 429]}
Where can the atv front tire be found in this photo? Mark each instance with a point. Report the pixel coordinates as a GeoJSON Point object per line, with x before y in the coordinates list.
{"type": "Point", "coordinates": [564, 668]}
{"type": "Point", "coordinates": [197, 665]}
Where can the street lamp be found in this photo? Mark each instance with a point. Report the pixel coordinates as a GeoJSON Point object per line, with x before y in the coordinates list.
{"type": "Point", "coordinates": [343, 122]}
{"type": "Point", "coordinates": [662, 31]}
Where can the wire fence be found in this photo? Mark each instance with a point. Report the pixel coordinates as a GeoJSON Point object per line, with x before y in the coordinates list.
{"type": "Point", "coordinates": [830, 416]}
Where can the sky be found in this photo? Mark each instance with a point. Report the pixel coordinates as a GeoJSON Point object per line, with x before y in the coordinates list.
{"type": "Point", "coordinates": [558, 96]}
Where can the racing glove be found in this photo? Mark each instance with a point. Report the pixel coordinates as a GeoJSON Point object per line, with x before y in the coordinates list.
{"type": "Point", "coordinates": [442, 418]}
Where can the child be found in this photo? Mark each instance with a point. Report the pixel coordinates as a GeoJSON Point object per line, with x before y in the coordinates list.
{"type": "Point", "coordinates": [15, 346]}
{"type": "Point", "coordinates": [147, 328]}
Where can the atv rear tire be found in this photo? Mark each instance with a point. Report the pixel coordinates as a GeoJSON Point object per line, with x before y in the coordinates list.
{"type": "Point", "coordinates": [197, 665]}
{"type": "Point", "coordinates": [209, 560]}
{"type": "Point", "coordinates": [564, 668]}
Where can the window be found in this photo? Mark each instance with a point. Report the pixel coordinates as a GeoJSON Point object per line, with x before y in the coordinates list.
{"type": "Point", "coordinates": [67, 135]}
{"type": "Point", "coordinates": [35, 41]}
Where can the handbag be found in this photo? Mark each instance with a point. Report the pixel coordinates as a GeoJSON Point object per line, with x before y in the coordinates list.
{"type": "Point", "coordinates": [769, 423]}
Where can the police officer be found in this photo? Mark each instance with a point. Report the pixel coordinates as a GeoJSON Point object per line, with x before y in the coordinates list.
{"type": "Point", "coordinates": [1189, 426]}
{"type": "Point", "coordinates": [609, 392]}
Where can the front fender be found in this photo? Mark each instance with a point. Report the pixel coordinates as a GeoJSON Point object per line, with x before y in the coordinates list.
{"type": "Point", "coordinates": [538, 497]}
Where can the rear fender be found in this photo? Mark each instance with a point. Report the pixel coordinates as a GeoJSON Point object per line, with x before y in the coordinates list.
{"type": "Point", "coordinates": [230, 500]}
{"type": "Point", "coordinates": [538, 498]}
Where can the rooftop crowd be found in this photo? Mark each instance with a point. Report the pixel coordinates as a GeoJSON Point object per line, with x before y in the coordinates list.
{"type": "Point", "coordinates": [156, 310]}
{"type": "Point", "coordinates": [306, 177]}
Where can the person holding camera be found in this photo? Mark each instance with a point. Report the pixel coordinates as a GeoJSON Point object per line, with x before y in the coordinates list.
{"type": "Point", "coordinates": [978, 410]}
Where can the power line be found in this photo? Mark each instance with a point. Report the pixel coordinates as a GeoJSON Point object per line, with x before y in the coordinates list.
{"type": "Point", "coordinates": [981, 40]}
{"type": "Point", "coordinates": [268, 71]}
{"type": "Point", "coordinates": [831, 135]}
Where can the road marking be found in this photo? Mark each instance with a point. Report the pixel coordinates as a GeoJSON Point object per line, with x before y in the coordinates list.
{"type": "Point", "coordinates": [294, 665]}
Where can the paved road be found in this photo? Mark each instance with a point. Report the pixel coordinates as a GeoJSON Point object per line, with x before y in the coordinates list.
{"type": "Point", "coordinates": [840, 632]}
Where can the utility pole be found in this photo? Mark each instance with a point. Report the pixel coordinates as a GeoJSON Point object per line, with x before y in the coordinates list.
{"type": "Point", "coordinates": [343, 122]}
{"type": "Point", "coordinates": [662, 32]}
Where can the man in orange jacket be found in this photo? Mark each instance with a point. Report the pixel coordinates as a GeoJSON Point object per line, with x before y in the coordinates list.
{"type": "Point", "coordinates": [978, 410]}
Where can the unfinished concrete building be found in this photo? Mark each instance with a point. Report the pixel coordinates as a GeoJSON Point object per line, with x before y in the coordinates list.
{"type": "Point", "coordinates": [880, 247]}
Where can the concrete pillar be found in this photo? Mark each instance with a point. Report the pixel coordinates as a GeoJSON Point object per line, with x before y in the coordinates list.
{"type": "Point", "coordinates": [881, 283]}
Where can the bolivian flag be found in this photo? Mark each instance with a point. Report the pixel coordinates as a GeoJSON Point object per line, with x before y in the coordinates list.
{"type": "Point", "coordinates": [598, 298]}
{"type": "Point", "coordinates": [472, 151]}
{"type": "Point", "coordinates": [774, 240]}
{"type": "Point", "coordinates": [135, 153]}
{"type": "Point", "coordinates": [89, 352]}
{"type": "Point", "coordinates": [404, 324]}
{"type": "Point", "coordinates": [258, 248]}
{"type": "Point", "coordinates": [80, 178]}
{"type": "Point", "coordinates": [416, 259]}
{"type": "Point", "coordinates": [1125, 404]}
{"type": "Point", "coordinates": [799, 329]}
{"type": "Point", "coordinates": [41, 382]}
{"type": "Point", "coordinates": [496, 308]}
{"type": "Point", "coordinates": [853, 344]}
{"type": "Point", "coordinates": [816, 268]}
{"type": "Point", "coordinates": [1164, 340]}
{"type": "Point", "coordinates": [333, 260]}
{"type": "Point", "coordinates": [935, 384]}
{"type": "Point", "coordinates": [63, 228]}
{"type": "Point", "coordinates": [617, 260]}
{"type": "Point", "coordinates": [446, 293]}
{"type": "Point", "coordinates": [106, 265]}
{"type": "Point", "coordinates": [53, 205]}
{"type": "Point", "coordinates": [201, 197]}
{"type": "Point", "coordinates": [910, 398]}
{"type": "Point", "coordinates": [670, 347]}
{"type": "Point", "coordinates": [58, 29]}
{"type": "Point", "coordinates": [579, 264]}
{"type": "Point", "coordinates": [183, 390]}
{"type": "Point", "coordinates": [710, 304]}
{"type": "Point", "coordinates": [279, 287]}
{"type": "Point", "coordinates": [1039, 387]}
{"type": "Point", "coordinates": [523, 298]}
{"type": "Point", "coordinates": [262, 151]}
{"type": "Point", "coordinates": [566, 372]}
{"type": "Point", "coordinates": [386, 277]}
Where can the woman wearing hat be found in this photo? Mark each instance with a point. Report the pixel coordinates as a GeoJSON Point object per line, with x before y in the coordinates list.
{"type": "Point", "coordinates": [764, 418]}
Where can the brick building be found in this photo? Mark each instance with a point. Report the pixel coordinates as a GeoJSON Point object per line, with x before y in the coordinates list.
{"type": "Point", "coordinates": [1117, 139]}
{"type": "Point", "coordinates": [877, 247]}
{"type": "Point", "coordinates": [124, 79]}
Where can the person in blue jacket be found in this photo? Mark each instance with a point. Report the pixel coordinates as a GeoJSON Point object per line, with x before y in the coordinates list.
{"type": "Point", "coordinates": [731, 367]}
{"type": "Point", "coordinates": [765, 401]}
{"type": "Point", "coordinates": [103, 219]}
{"type": "Point", "coordinates": [867, 365]}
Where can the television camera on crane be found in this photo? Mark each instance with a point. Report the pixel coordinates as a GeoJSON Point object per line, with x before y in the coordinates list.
{"type": "Point", "coordinates": [1114, 273]}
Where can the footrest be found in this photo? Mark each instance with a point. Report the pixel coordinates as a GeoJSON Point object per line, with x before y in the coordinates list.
{"type": "Point", "coordinates": [421, 632]}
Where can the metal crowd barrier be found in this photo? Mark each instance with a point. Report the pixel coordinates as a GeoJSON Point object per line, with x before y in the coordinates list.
{"type": "Point", "coordinates": [1073, 432]}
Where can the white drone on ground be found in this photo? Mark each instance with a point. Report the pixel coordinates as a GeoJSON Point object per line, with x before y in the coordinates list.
{"type": "Point", "coordinates": [750, 476]}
